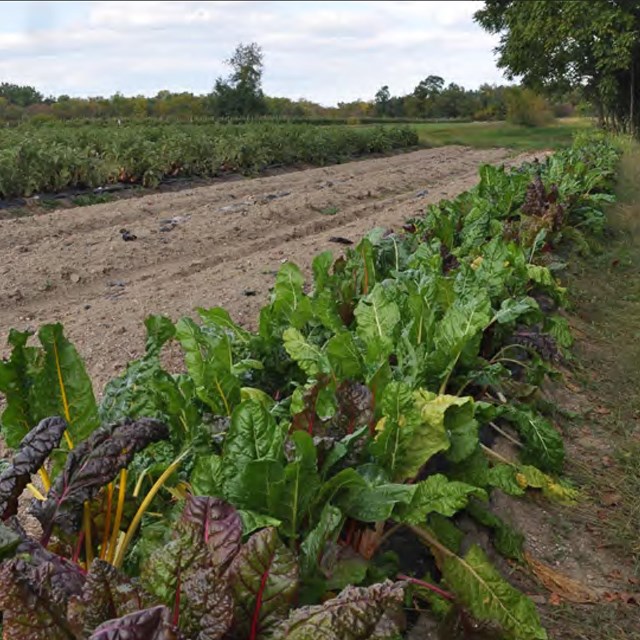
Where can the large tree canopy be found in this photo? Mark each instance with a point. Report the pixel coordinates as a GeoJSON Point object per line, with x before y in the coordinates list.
{"type": "Point", "coordinates": [555, 46]}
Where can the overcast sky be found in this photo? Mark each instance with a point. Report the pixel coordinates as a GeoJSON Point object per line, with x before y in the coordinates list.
{"type": "Point", "coordinates": [325, 51]}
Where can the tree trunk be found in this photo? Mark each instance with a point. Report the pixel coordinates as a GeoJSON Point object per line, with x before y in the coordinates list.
{"type": "Point", "coordinates": [632, 92]}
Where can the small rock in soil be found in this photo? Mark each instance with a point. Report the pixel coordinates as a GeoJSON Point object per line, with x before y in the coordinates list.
{"type": "Point", "coordinates": [340, 240]}
{"type": "Point", "coordinates": [75, 278]}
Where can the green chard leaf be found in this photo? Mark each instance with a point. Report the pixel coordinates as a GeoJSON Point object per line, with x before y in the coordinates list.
{"type": "Point", "coordinates": [489, 596]}
{"type": "Point", "coordinates": [209, 363]}
{"type": "Point", "coordinates": [20, 414]}
{"type": "Point", "coordinates": [310, 358]}
{"type": "Point", "coordinates": [436, 494]}
{"type": "Point", "coordinates": [378, 317]}
{"type": "Point", "coordinates": [543, 445]}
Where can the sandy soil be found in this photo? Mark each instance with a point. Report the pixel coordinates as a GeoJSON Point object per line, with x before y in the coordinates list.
{"type": "Point", "coordinates": [207, 246]}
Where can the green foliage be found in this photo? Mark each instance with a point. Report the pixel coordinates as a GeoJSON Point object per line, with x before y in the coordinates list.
{"type": "Point", "coordinates": [557, 46]}
{"type": "Point", "coordinates": [360, 403]}
{"type": "Point", "coordinates": [54, 159]}
{"type": "Point", "coordinates": [527, 108]}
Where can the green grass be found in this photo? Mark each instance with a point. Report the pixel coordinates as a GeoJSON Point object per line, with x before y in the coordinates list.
{"type": "Point", "coordinates": [500, 134]}
{"type": "Point", "coordinates": [604, 436]}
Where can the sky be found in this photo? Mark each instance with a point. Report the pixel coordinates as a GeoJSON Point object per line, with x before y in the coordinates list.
{"type": "Point", "coordinates": [328, 52]}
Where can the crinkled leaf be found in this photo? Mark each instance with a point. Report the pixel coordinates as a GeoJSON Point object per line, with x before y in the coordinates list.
{"type": "Point", "coordinates": [457, 335]}
{"type": "Point", "coordinates": [21, 412]}
{"type": "Point", "coordinates": [106, 594]}
{"type": "Point", "coordinates": [206, 605]}
{"type": "Point", "coordinates": [559, 329]}
{"type": "Point", "coordinates": [253, 435]}
{"type": "Point", "coordinates": [145, 389]}
{"type": "Point", "coordinates": [344, 356]}
{"type": "Point", "coordinates": [30, 456]}
{"type": "Point", "coordinates": [412, 432]}
{"type": "Point", "coordinates": [342, 566]}
{"type": "Point", "coordinates": [217, 524]}
{"type": "Point", "coordinates": [543, 444]}
{"type": "Point", "coordinates": [92, 464]}
{"type": "Point", "coordinates": [490, 597]}
{"type": "Point", "coordinates": [310, 358]}
{"type": "Point", "coordinates": [36, 588]}
{"type": "Point", "coordinates": [358, 613]}
{"type": "Point", "coordinates": [209, 363]}
{"type": "Point", "coordinates": [300, 486]}
{"type": "Point", "coordinates": [252, 521]}
{"type": "Point", "coordinates": [264, 581]}
{"type": "Point", "coordinates": [511, 309]}
{"type": "Point", "coordinates": [148, 624]}
{"type": "Point", "coordinates": [313, 545]}
{"type": "Point", "coordinates": [219, 319]}
{"type": "Point", "coordinates": [206, 477]}
{"type": "Point", "coordinates": [162, 574]}
{"type": "Point", "coordinates": [9, 541]}
{"type": "Point", "coordinates": [289, 306]}
{"type": "Point", "coordinates": [506, 540]}
{"type": "Point", "coordinates": [43, 382]}
{"type": "Point", "coordinates": [258, 486]}
{"type": "Point", "coordinates": [375, 503]}
{"type": "Point", "coordinates": [436, 494]}
{"type": "Point", "coordinates": [378, 317]}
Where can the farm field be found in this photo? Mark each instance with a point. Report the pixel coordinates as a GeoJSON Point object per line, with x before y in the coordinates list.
{"type": "Point", "coordinates": [476, 274]}
{"type": "Point", "coordinates": [227, 242]}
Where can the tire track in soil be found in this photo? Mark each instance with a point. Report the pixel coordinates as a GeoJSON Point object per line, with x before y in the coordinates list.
{"type": "Point", "coordinates": [229, 239]}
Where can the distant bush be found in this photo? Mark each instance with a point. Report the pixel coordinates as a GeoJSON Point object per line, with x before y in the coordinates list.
{"type": "Point", "coordinates": [527, 108]}
{"type": "Point", "coordinates": [486, 114]}
{"type": "Point", "coordinates": [563, 110]}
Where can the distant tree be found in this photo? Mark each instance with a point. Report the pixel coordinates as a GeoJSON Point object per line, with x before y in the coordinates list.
{"type": "Point", "coordinates": [241, 93]}
{"type": "Point", "coordinates": [382, 99]}
{"type": "Point", "coordinates": [429, 88]}
{"type": "Point", "coordinates": [20, 96]}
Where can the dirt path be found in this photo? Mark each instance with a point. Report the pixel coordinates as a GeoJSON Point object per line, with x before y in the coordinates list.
{"type": "Point", "coordinates": [214, 245]}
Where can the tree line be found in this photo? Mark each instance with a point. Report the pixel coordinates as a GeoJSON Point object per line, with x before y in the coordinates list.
{"type": "Point", "coordinates": [240, 95]}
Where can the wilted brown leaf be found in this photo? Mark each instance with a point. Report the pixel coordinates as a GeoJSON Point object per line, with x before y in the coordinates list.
{"type": "Point", "coordinates": [560, 585]}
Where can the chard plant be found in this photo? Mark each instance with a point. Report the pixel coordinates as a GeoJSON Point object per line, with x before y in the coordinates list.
{"type": "Point", "coordinates": [258, 494]}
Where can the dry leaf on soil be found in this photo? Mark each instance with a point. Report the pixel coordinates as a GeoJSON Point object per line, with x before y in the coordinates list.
{"type": "Point", "coordinates": [560, 585]}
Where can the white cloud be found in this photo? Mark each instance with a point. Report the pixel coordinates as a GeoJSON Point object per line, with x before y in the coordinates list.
{"type": "Point", "coordinates": [326, 51]}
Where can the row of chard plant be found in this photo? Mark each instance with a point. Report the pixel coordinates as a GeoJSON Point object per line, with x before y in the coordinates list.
{"type": "Point", "coordinates": [65, 157]}
{"type": "Point", "coordinates": [259, 493]}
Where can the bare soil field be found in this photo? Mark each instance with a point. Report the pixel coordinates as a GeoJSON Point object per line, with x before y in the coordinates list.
{"type": "Point", "coordinates": [206, 246]}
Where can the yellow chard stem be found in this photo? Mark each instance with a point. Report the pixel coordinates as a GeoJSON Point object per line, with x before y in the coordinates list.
{"type": "Point", "coordinates": [107, 522]}
{"type": "Point", "coordinates": [118, 519]}
{"type": "Point", "coordinates": [36, 492]}
{"type": "Point", "coordinates": [157, 485]}
{"type": "Point", "coordinates": [44, 476]}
